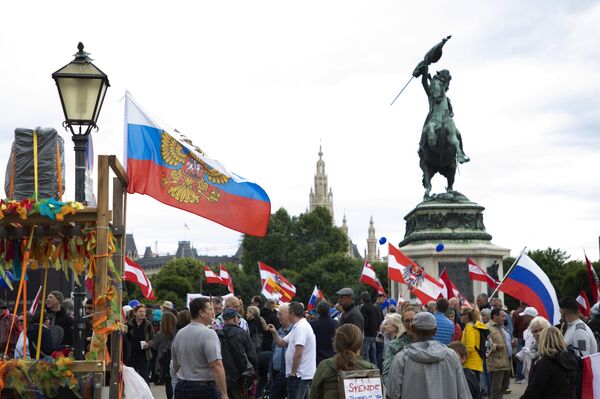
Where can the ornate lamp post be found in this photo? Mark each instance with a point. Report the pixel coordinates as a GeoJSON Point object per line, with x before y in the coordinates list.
{"type": "Point", "coordinates": [81, 87]}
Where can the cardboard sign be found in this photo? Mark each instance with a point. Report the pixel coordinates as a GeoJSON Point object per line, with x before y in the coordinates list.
{"type": "Point", "coordinates": [360, 384]}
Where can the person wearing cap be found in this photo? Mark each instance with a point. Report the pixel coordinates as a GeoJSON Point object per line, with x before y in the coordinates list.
{"type": "Point", "coordinates": [301, 352]}
{"type": "Point", "coordinates": [576, 332]}
{"type": "Point", "coordinates": [59, 316]}
{"type": "Point", "coordinates": [5, 330]}
{"type": "Point", "coordinates": [522, 316]}
{"type": "Point", "coordinates": [167, 306]}
{"type": "Point", "coordinates": [350, 313]}
{"type": "Point", "coordinates": [196, 356]}
{"type": "Point", "coordinates": [139, 339]}
{"type": "Point", "coordinates": [240, 359]}
{"type": "Point", "coordinates": [426, 369]}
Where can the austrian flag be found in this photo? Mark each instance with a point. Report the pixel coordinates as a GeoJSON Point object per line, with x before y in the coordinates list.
{"type": "Point", "coordinates": [477, 274]}
{"type": "Point", "coordinates": [135, 274]}
{"type": "Point", "coordinates": [274, 285]}
{"type": "Point", "coordinates": [369, 277]}
{"type": "Point", "coordinates": [212, 277]}
{"type": "Point", "coordinates": [405, 271]}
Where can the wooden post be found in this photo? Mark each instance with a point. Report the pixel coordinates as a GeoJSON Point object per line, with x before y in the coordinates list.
{"type": "Point", "coordinates": [119, 234]}
{"type": "Point", "coordinates": [102, 236]}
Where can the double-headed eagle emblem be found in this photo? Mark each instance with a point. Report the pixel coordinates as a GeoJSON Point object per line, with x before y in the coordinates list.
{"type": "Point", "coordinates": [413, 276]}
{"type": "Point", "coordinates": [188, 181]}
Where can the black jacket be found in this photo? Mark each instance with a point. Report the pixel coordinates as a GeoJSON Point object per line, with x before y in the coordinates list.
{"type": "Point", "coordinates": [553, 377]}
{"type": "Point", "coordinates": [236, 346]}
{"type": "Point", "coordinates": [353, 315]}
{"type": "Point", "coordinates": [370, 318]}
{"type": "Point", "coordinates": [324, 329]}
{"type": "Point", "coordinates": [63, 320]}
{"type": "Point", "coordinates": [270, 317]}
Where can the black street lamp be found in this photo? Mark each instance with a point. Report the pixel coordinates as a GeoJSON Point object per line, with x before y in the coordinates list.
{"type": "Point", "coordinates": [81, 87]}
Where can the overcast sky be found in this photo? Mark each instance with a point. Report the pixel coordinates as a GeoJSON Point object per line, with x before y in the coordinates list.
{"type": "Point", "coordinates": [259, 85]}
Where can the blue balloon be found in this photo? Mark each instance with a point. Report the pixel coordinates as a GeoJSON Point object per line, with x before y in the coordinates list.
{"type": "Point", "coordinates": [133, 303]}
{"type": "Point", "coordinates": [439, 248]}
{"type": "Point", "coordinates": [382, 240]}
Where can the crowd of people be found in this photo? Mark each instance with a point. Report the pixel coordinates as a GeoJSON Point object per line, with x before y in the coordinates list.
{"type": "Point", "coordinates": [221, 349]}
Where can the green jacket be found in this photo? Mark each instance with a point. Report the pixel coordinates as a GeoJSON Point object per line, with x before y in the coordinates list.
{"type": "Point", "coordinates": [394, 347]}
{"type": "Point", "coordinates": [325, 381]}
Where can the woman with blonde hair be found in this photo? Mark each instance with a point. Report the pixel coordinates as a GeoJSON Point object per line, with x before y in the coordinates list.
{"type": "Point", "coordinates": [471, 337]}
{"type": "Point", "coordinates": [403, 337]}
{"type": "Point", "coordinates": [347, 345]}
{"type": "Point", "coordinates": [256, 327]}
{"type": "Point", "coordinates": [530, 354]}
{"type": "Point", "coordinates": [556, 374]}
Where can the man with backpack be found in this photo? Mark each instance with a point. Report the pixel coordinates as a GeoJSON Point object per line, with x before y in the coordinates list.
{"type": "Point", "coordinates": [578, 335]}
{"type": "Point", "coordinates": [239, 355]}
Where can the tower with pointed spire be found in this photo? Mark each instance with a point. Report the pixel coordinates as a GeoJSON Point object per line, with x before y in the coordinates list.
{"type": "Point", "coordinates": [321, 194]}
{"type": "Point", "coordinates": [372, 252]}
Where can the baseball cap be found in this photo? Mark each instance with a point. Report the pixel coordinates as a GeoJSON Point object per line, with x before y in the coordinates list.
{"type": "Point", "coordinates": [423, 321]}
{"type": "Point", "coordinates": [529, 311]}
{"type": "Point", "coordinates": [345, 291]}
{"type": "Point", "coordinates": [230, 313]}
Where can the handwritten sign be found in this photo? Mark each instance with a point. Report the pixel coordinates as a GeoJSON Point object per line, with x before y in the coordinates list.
{"type": "Point", "coordinates": [361, 384]}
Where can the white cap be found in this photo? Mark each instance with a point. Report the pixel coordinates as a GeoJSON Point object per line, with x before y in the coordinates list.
{"type": "Point", "coordinates": [127, 309]}
{"type": "Point", "coordinates": [529, 311]}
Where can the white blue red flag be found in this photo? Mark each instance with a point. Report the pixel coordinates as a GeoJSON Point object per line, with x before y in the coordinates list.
{"type": "Point", "coordinates": [528, 283]}
{"type": "Point", "coordinates": [316, 294]}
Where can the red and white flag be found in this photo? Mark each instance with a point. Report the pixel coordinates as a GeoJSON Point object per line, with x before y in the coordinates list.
{"type": "Point", "coordinates": [369, 277]}
{"type": "Point", "coordinates": [584, 304]}
{"type": "Point", "coordinates": [445, 280]}
{"type": "Point", "coordinates": [274, 285]}
{"type": "Point", "coordinates": [478, 274]}
{"type": "Point", "coordinates": [226, 278]}
{"type": "Point", "coordinates": [211, 277]}
{"type": "Point", "coordinates": [135, 274]}
{"type": "Point", "coordinates": [405, 271]}
{"type": "Point", "coordinates": [36, 302]}
{"type": "Point", "coordinates": [593, 279]}
{"type": "Point", "coordinates": [590, 384]}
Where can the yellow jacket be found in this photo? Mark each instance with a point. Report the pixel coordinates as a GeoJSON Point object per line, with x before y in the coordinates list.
{"type": "Point", "coordinates": [470, 337]}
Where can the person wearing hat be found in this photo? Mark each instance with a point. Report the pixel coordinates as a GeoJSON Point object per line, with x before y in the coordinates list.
{"type": "Point", "coordinates": [240, 359]}
{"type": "Point", "coordinates": [426, 369]}
{"type": "Point", "coordinates": [5, 329]}
{"type": "Point", "coordinates": [350, 313]}
{"type": "Point", "coordinates": [59, 316]}
{"type": "Point", "coordinates": [522, 316]}
{"type": "Point", "coordinates": [576, 332]}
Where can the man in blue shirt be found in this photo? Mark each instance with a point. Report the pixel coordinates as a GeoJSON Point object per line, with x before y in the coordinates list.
{"type": "Point", "coordinates": [277, 364]}
{"type": "Point", "coordinates": [445, 327]}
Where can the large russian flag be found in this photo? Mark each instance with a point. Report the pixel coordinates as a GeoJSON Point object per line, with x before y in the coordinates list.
{"type": "Point", "coordinates": [528, 283]}
{"type": "Point", "coordinates": [165, 165]}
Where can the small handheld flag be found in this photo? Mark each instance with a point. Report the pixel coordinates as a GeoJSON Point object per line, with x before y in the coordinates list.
{"type": "Point", "coordinates": [135, 274]}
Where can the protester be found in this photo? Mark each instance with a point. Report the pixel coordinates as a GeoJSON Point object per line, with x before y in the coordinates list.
{"type": "Point", "coordinates": [6, 320]}
{"type": "Point", "coordinates": [324, 328]}
{"type": "Point", "coordinates": [301, 353]}
{"type": "Point", "coordinates": [426, 369]}
{"type": "Point", "coordinates": [486, 315]}
{"type": "Point", "coordinates": [577, 334]}
{"type": "Point", "coordinates": [498, 362]}
{"type": "Point", "coordinates": [139, 341]}
{"type": "Point", "coordinates": [348, 344]}
{"type": "Point", "coordinates": [471, 338]}
{"type": "Point", "coordinates": [445, 327]}
{"type": "Point", "coordinates": [521, 324]}
{"type": "Point", "coordinates": [59, 317]}
{"type": "Point", "coordinates": [381, 307]}
{"type": "Point", "coordinates": [240, 358]}
{"type": "Point", "coordinates": [350, 313]}
{"type": "Point", "coordinates": [196, 356]}
{"type": "Point", "coordinates": [277, 363]}
{"type": "Point", "coordinates": [451, 314]}
{"type": "Point", "coordinates": [397, 327]}
{"type": "Point", "coordinates": [371, 327]}
{"type": "Point", "coordinates": [269, 313]}
{"type": "Point", "coordinates": [470, 375]}
{"type": "Point", "coordinates": [234, 303]}
{"type": "Point", "coordinates": [508, 325]}
{"type": "Point", "coordinates": [482, 301]}
{"type": "Point", "coordinates": [162, 346]}
{"type": "Point", "coordinates": [256, 327]}
{"type": "Point", "coordinates": [217, 303]}
{"type": "Point", "coordinates": [529, 354]}
{"type": "Point", "coordinates": [555, 375]}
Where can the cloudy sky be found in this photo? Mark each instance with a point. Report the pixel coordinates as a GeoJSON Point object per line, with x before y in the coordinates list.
{"type": "Point", "coordinates": [259, 85]}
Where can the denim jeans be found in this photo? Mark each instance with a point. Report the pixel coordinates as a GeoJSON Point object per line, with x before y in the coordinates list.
{"type": "Point", "coordinates": [196, 389]}
{"type": "Point", "coordinates": [369, 351]}
{"type": "Point", "coordinates": [297, 388]}
{"type": "Point", "coordinates": [278, 386]}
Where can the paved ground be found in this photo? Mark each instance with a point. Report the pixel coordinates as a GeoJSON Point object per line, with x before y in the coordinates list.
{"type": "Point", "coordinates": [517, 391]}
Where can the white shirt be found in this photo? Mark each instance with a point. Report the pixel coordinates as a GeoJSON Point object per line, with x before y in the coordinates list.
{"type": "Point", "coordinates": [581, 337]}
{"type": "Point", "coordinates": [301, 334]}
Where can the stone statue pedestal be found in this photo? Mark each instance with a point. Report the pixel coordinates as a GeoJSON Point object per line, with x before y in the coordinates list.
{"type": "Point", "coordinates": [456, 222]}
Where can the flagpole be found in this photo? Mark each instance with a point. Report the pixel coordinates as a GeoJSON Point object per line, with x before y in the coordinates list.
{"type": "Point", "coordinates": [507, 273]}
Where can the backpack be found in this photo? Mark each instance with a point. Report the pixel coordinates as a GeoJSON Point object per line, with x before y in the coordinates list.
{"type": "Point", "coordinates": [578, 377]}
{"type": "Point", "coordinates": [485, 343]}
